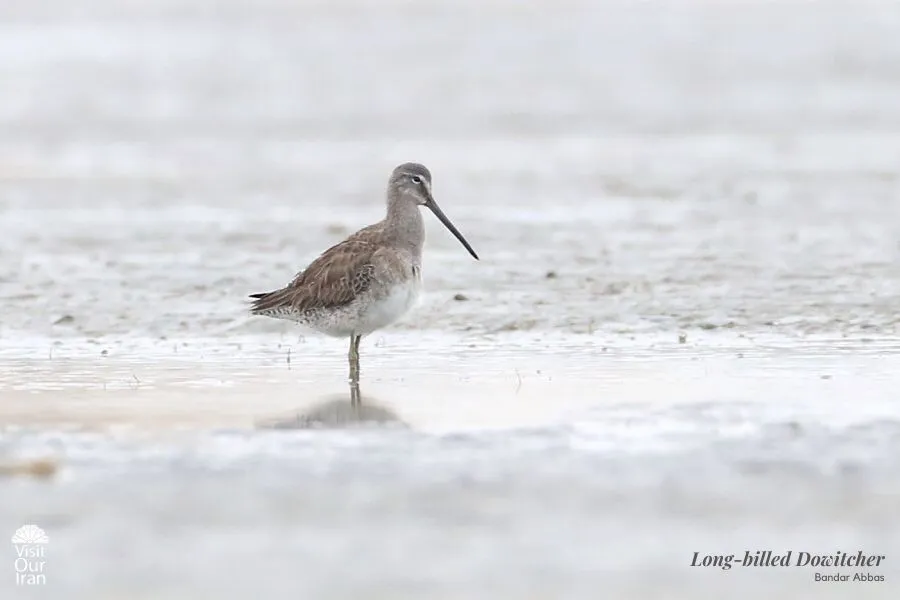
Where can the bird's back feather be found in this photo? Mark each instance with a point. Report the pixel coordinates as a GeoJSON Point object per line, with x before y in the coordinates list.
{"type": "Point", "coordinates": [332, 280]}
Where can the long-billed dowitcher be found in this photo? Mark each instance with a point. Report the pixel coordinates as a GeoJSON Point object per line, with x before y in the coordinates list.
{"type": "Point", "coordinates": [370, 279]}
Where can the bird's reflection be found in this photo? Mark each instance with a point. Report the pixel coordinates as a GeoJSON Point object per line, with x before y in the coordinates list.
{"type": "Point", "coordinates": [339, 411]}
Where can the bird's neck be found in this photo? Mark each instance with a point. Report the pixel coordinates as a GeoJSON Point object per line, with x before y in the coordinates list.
{"type": "Point", "coordinates": [403, 225]}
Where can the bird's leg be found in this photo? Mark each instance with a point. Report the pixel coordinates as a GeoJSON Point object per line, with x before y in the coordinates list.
{"type": "Point", "coordinates": [354, 370]}
{"type": "Point", "coordinates": [354, 359]}
{"type": "Point", "coordinates": [355, 396]}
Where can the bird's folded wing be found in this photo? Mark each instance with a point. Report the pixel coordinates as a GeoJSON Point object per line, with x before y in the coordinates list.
{"type": "Point", "coordinates": [333, 279]}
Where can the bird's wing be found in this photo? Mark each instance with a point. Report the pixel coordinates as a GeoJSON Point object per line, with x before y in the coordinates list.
{"type": "Point", "coordinates": [333, 279]}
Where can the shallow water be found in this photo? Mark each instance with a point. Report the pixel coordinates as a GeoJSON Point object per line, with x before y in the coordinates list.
{"type": "Point", "coordinates": [530, 470]}
{"type": "Point", "coordinates": [682, 335]}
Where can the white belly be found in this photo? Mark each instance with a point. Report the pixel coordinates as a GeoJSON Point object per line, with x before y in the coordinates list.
{"type": "Point", "coordinates": [368, 312]}
{"type": "Point", "coordinates": [381, 312]}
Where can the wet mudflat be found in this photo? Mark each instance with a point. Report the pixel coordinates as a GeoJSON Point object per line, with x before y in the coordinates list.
{"type": "Point", "coordinates": [546, 449]}
{"type": "Point", "coordinates": [682, 335]}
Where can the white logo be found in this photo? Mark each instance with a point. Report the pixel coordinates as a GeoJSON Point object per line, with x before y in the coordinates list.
{"type": "Point", "coordinates": [29, 543]}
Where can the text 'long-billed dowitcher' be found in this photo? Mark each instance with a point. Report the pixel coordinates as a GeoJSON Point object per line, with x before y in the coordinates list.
{"type": "Point", "coordinates": [369, 280]}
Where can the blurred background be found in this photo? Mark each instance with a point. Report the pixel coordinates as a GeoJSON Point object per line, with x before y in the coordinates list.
{"type": "Point", "coordinates": [685, 164]}
{"type": "Point", "coordinates": [682, 334]}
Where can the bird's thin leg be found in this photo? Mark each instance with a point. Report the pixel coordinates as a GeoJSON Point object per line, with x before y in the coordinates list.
{"type": "Point", "coordinates": [354, 359]}
{"type": "Point", "coordinates": [355, 395]}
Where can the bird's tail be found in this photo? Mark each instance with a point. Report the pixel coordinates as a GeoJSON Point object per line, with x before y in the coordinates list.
{"type": "Point", "coordinates": [258, 302]}
{"type": "Point", "coordinates": [271, 303]}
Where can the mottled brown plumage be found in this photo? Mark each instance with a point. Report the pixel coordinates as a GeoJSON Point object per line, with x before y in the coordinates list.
{"type": "Point", "coordinates": [368, 280]}
{"type": "Point", "coordinates": [332, 280]}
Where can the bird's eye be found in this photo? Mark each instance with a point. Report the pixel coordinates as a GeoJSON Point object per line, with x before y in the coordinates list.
{"type": "Point", "coordinates": [416, 179]}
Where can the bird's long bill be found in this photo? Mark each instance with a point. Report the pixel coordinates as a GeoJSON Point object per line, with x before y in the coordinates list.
{"type": "Point", "coordinates": [443, 219]}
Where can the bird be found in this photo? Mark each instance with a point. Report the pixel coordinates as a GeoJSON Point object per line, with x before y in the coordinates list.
{"type": "Point", "coordinates": [369, 280]}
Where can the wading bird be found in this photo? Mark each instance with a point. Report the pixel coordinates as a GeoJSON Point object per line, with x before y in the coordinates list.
{"type": "Point", "coordinates": [370, 279]}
